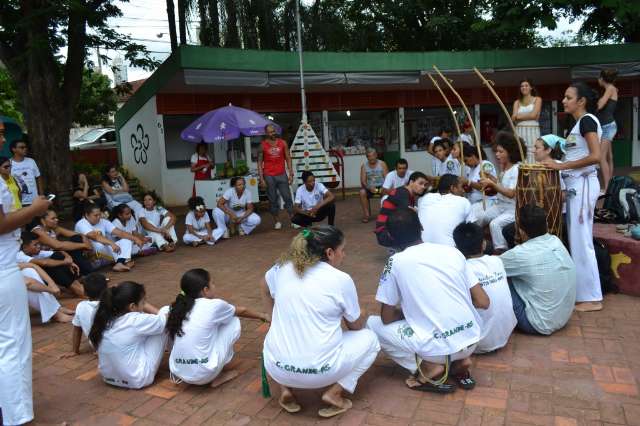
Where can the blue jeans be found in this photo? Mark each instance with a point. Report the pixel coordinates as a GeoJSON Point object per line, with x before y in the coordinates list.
{"type": "Point", "coordinates": [521, 315]}
{"type": "Point", "coordinates": [609, 131]}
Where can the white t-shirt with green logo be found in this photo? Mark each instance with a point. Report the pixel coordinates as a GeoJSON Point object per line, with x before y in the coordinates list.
{"type": "Point", "coordinates": [431, 283]}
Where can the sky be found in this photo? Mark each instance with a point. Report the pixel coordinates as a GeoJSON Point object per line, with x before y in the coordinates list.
{"type": "Point", "coordinates": [146, 22]}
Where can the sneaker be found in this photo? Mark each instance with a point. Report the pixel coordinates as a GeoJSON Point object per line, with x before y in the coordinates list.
{"type": "Point", "coordinates": [278, 225]}
{"type": "Point", "coordinates": [241, 232]}
{"type": "Point", "coordinates": [226, 235]}
{"type": "Point", "coordinates": [294, 226]}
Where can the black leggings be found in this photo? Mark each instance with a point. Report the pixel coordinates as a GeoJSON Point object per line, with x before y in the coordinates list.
{"type": "Point", "coordinates": [62, 275]}
{"type": "Point", "coordinates": [79, 258]}
{"type": "Point", "coordinates": [328, 211]}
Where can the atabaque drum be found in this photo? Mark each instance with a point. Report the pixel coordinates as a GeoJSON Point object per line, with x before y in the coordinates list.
{"type": "Point", "coordinates": [540, 185]}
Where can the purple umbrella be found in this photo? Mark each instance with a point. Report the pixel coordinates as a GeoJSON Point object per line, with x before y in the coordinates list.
{"type": "Point", "coordinates": [226, 123]}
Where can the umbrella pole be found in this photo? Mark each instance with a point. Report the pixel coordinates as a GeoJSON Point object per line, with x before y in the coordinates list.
{"type": "Point", "coordinates": [302, 94]}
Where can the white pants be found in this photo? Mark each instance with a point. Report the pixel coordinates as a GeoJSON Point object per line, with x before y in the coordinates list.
{"type": "Point", "coordinates": [158, 239]}
{"type": "Point", "coordinates": [105, 251]}
{"type": "Point", "coordinates": [45, 303]}
{"type": "Point", "coordinates": [399, 348]}
{"type": "Point", "coordinates": [16, 396]}
{"type": "Point", "coordinates": [222, 353]}
{"type": "Point", "coordinates": [359, 351]}
{"type": "Point", "coordinates": [189, 239]}
{"type": "Point", "coordinates": [479, 211]}
{"type": "Point", "coordinates": [247, 225]}
{"type": "Point", "coordinates": [497, 216]}
{"type": "Point", "coordinates": [580, 229]}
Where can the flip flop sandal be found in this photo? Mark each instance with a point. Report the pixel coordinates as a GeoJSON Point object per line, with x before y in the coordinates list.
{"type": "Point", "coordinates": [365, 220]}
{"type": "Point", "coordinates": [466, 382]}
{"type": "Point", "coordinates": [334, 411]}
{"type": "Point", "coordinates": [290, 407]}
{"type": "Point", "coordinates": [429, 387]}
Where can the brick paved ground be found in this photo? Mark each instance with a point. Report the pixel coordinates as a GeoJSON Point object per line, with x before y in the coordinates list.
{"type": "Point", "coordinates": [587, 374]}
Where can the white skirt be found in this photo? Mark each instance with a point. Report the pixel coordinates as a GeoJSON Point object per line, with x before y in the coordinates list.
{"type": "Point", "coordinates": [530, 133]}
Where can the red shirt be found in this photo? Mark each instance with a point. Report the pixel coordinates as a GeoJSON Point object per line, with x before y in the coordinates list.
{"type": "Point", "coordinates": [273, 158]}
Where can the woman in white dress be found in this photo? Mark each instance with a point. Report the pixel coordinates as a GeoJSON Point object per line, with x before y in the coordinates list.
{"type": "Point", "coordinates": [580, 177]}
{"type": "Point", "coordinates": [305, 347]}
{"type": "Point", "coordinates": [16, 396]}
{"type": "Point", "coordinates": [526, 112]}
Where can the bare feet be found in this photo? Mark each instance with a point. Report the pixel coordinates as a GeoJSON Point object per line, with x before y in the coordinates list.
{"type": "Point", "coordinates": [195, 244]}
{"type": "Point", "coordinates": [588, 306]}
{"type": "Point", "coordinates": [130, 263]}
{"type": "Point", "coordinates": [169, 248]}
{"type": "Point", "coordinates": [224, 377]}
{"type": "Point", "coordinates": [67, 311]}
{"type": "Point", "coordinates": [288, 401]}
{"type": "Point", "coordinates": [120, 267]}
{"type": "Point", "coordinates": [62, 317]}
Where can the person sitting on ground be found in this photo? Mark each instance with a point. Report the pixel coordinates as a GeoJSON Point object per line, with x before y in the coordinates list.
{"type": "Point", "coordinates": [54, 237]}
{"type": "Point", "coordinates": [84, 192]}
{"type": "Point", "coordinates": [94, 285]}
{"type": "Point", "coordinates": [235, 210]}
{"type": "Point", "coordinates": [542, 276]}
{"type": "Point", "coordinates": [57, 264]}
{"type": "Point", "coordinates": [313, 202]}
{"type": "Point", "coordinates": [26, 169]}
{"type": "Point", "coordinates": [305, 347]}
{"type": "Point", "coordinates": [129, 336]}
{"type": "Point", "coordinates": [158, 223]}
{"type": "Point", "coordinates": [125, 220]}
{"type": "Point", "coordinates": [503, 212]}
{"type": "Point", "coordinates": [396, 178]}
{"type": "Point", "coordinates": [440, 212]}
{"type": "Point", "coordinates": [42, 292]}
{"type": "Point", "coordinates": [372, 175]}
{"type": "Point", "coordinates": [116, 190]}
{"type": "Point", "coordinates": [428, 319]}
{"type": "Point", "coordinates": [98, 230]}
{"type": "Point", "coordinates": [400, 198]}
{"type": "Point", "coordinates": [198, 228]}
{"type": "Point", "coordinates": [498, 321]}
{"type": "Point", "coordinates": [475, 170]}
{"type": "Point", "coordinates": [204, 329]}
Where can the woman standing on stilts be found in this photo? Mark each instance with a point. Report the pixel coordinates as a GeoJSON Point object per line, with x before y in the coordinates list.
{"type": "Point", "coordinates": [16, 396]}
{"type": "Point", "coordinates": [581, 179]}
{"type": "Point", "coordinates": [526, 112]}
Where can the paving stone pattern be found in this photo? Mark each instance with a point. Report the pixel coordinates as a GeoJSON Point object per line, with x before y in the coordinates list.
{"type": "Point", "coordinates": [586, 374]}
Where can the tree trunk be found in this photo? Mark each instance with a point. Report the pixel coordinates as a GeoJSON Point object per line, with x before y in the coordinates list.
{"type": "Point", "coordinates": [249, 18]}
{"type": "Point", "coordinates": [231, 38]}
{"type": "Point", "coordinates": [182, 20]}
{"type": "Point", "coordinates": [171, 17]}
{"type": "Point", "coordinates": [204, 35]}
{"type": "Point", "coordinates": [214, 23]}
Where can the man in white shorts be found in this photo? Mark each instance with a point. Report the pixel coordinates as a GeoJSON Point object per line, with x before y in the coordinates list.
{"type": "Point", "coordinates": [428, 319]}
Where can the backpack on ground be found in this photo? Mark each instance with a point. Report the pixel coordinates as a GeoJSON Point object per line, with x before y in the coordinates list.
{"type": "Point", "coordinates": [620, 199]}
{"type": "Point", "coordinates": [604, 267]}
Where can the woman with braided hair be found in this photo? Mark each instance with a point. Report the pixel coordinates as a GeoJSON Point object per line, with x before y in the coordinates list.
{"type": "Point", "coordinates": [305, 347]}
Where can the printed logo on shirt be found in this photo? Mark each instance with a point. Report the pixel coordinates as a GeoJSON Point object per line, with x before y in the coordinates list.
{"type": "Point", "coordinates": [191, 361]}
{"type": "Point", "coordinates": [488, 168]}
{"type": "Point", "coordinates": [486, 280]}
{"type": "Point", "coordinates": [405, 332]}
{"type": "Point", "coordinates": [450, 165]}
{"type": "Point", "coordinates": [448, 333]}
{"type": "Point", "coordinates": [306, 370]}
{"type": "Point", "coordinates": [387, 269]}
{"type": "Point", "coordinates": [571, 142]}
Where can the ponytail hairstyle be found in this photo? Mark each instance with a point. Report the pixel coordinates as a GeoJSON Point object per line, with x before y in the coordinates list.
{"type": "Point", "coordinates": [583, 90]}
{"type": "Point", "coordinates": [118, 210]}
{"type": "Point", "coordinates": [191, 285]}
{"type": "Point", "coordinates": [310, 247]}
{"type": "Point", "coordinates": [114, 302]}
{"type": "Point", "coordinates": [609, 75]}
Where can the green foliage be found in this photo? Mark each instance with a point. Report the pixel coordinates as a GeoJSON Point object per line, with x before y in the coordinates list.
{"type": "Point", "coordinates": [9, 97]}
{"type": "Point", "coordinates": [97, 102]}
{"type": "Point", "coordinates": [605, 21]}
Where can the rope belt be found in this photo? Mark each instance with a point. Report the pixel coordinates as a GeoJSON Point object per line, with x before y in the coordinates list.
{"type": "Point", "coordinates": [441, 380]}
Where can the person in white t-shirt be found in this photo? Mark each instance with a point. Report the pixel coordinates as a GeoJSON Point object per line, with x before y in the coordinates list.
{"type": "Point", "coordinates": [129, 336]}
{"type": "Point", "coordinates": [94, 285]}
{"type": "Point", "coordinates": [27, 170]}
{"type": "Point", "coordinates": [499, 320]}
{"type": "Point", "coordinates": [444, 133]}
{"type": "Point", "coordinates": [306, 347]}
{"type": "Point", "coordinates": [235, 210]}
{"type": "Point", "coordinates": [440, 212]}
{"type": "Point", "coordinates": [198, 228]}
{"type": "Point", "coordinates": [428, 320]}
{"type": "Point", "coordinates": [204, 329]}
{"type": "Point", "coordinates": [99, 231]}
{"type": "Point", "coordinates": [125, 220]}
{"type": "Point", "coordinates": [445, 163]}
{"type": "Point", "coordinates": [42, 292]}
{"type": "Point", "coordinates": [503, 212]}
{"type": "Point", "coordinates": [158, 223]}
{"type": "Point", "coordinates": [396, 178]}
{"type": "Point", "coordinates": [475, 170]}
{"type": "Point", "coordinates": [313, 203]}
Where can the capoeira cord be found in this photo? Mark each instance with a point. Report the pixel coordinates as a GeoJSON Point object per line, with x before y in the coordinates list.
{"type": "Point", "coordinates": [424, 379]}
{"type": "Point", "coordinates": [266, 390]}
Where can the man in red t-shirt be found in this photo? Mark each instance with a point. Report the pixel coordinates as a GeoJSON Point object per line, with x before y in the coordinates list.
{"type": "Point", "coordinates": [272, 157]}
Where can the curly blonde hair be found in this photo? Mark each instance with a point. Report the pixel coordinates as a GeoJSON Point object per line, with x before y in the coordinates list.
{"type": "Point", "coordinates": [310, 246]}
